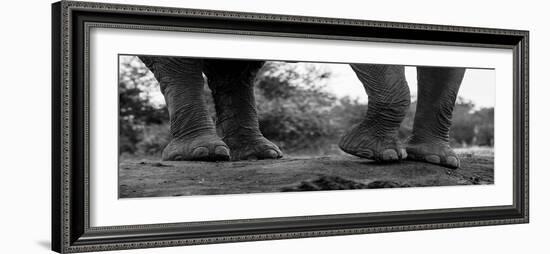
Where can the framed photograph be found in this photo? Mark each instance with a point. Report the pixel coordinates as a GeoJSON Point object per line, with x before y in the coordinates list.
{"type": "Point", "coordinates": [179, 126]}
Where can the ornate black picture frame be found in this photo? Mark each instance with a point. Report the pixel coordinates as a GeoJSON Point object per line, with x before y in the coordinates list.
{"type": "Point", "coordinates": [71, 231]}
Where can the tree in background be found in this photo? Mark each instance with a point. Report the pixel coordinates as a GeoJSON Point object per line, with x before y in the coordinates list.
{"type": "Point", "coordinates": [293, 108]}
{"type": "Point", "coordinates": [136, 112]}
{"type": "Point", "coordinates": [484, 129]}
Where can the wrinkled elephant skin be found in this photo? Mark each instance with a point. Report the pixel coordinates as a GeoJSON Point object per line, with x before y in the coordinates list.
{"type": "Point", "coordinates": [389, 98]}
{"type": "Point", "coordinates": [193, 135]}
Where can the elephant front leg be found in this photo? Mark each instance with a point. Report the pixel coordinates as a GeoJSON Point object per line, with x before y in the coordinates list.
{"type": "Point", "coordinates": [376, 137]}
{"type": "Point", "coordinates": [437, 91]}
{"type": "Point", "coordinates": [231, 82]}
{"type": "Point", "coordinates": [193, 136]}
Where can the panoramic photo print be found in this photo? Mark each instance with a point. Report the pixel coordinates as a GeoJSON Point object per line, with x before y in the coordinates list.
{"type": "Point", "coordinates": [203, 126]}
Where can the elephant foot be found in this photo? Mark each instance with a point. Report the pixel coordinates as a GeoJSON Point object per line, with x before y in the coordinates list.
{"type": "Point", "coordinates": [252, 148]}
{"type": "Point", "coordinates": [433, 152]}
{"type": "Point", "coordinates": [207, 147]}
{"type": "Point", "coordinates": [362, 142]}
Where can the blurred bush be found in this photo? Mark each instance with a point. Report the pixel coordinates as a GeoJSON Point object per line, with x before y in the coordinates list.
{"type": "Point", "coordinates": [294, 110]}
{"type": "Point", "coordinates": [136, 112]}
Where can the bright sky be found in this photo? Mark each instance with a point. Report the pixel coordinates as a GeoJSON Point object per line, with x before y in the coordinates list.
{"type": "Point", "coordinates": [478, 85]}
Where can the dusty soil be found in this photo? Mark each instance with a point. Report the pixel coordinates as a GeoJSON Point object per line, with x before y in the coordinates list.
{"type": "Point", "coordinates": [150, 178]}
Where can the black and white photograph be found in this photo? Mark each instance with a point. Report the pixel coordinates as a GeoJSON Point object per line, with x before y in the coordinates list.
{"type": "Point", "coordinates": [181, 123]}
{"type": "Point", "coordinates": [206, 126]}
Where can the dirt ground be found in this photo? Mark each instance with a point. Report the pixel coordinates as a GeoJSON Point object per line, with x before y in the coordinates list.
{"type": "Point", "coordinates": [152, 178]}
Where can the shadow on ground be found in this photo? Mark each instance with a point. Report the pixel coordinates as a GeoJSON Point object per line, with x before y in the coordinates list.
{"type": "Point", "coordinates": [147, 178]}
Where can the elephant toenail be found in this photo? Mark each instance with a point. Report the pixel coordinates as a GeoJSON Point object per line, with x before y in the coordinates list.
{"type": "Point", "coordinates": [271, 154]}
{"type": "Point", "coordinates": [178, 158]}
{"type": "Point", "coordinates": [221, 150]}
{"type": "Point", "coordinates": [389, 155]}
{"type": "Point", "coordinates": [452, 161]}
{"type": "Point", "coordinates": [403, 154]}
{"type": "Point", "coordinates": [432, 159]}
{"type": "Point", "coordinates": [200, 152]}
